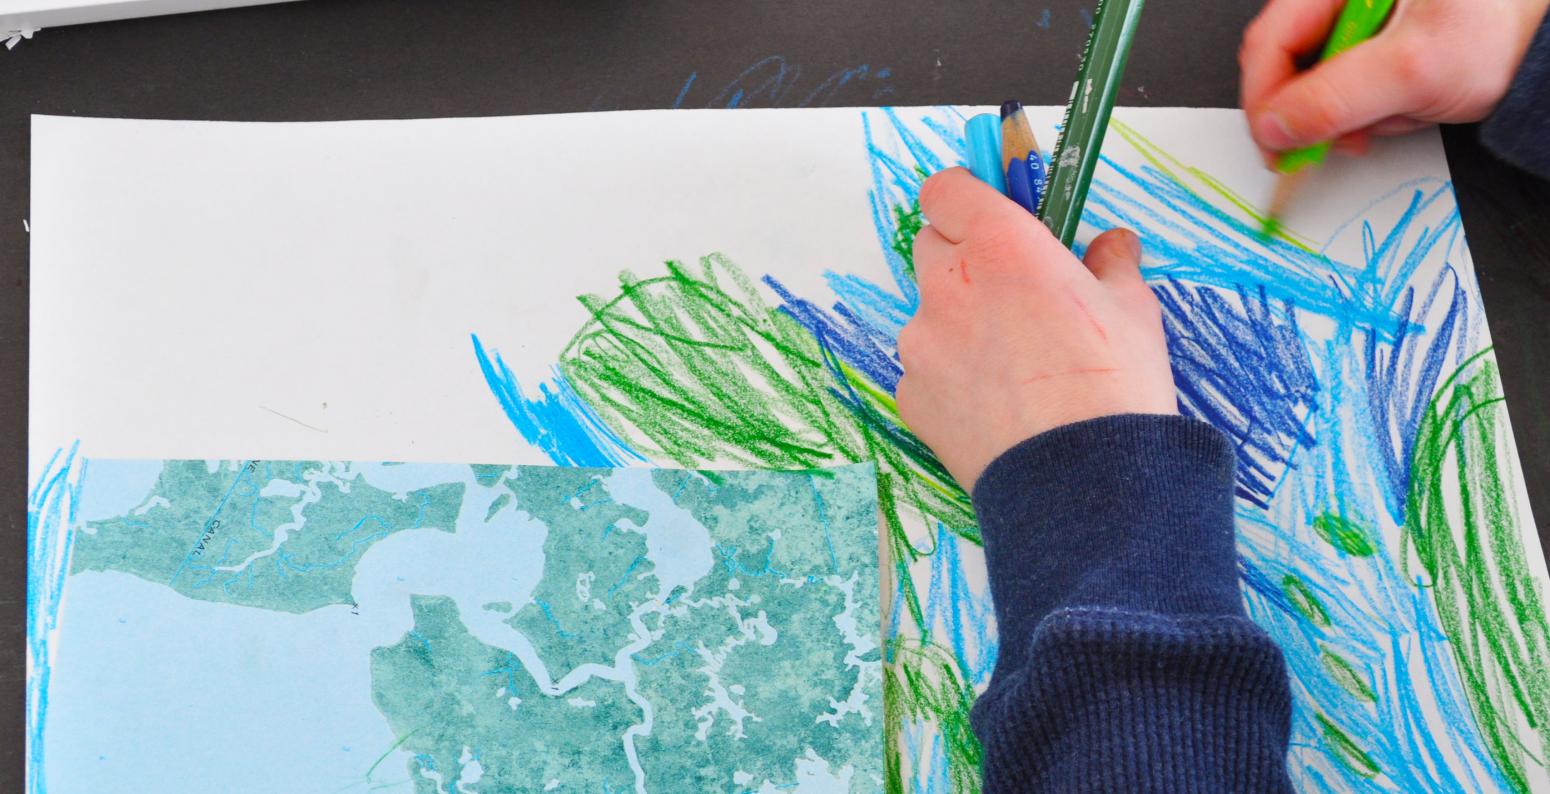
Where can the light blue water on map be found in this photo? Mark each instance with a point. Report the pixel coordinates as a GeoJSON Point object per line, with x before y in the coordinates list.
{"type": "Point", "coordinates": [152, 689]}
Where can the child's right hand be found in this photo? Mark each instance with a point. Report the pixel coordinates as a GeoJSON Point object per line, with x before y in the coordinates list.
{"type": "Point", "coordinates": [1034, 339]}
{"type": "Point", "coordinates": [1437, 61]}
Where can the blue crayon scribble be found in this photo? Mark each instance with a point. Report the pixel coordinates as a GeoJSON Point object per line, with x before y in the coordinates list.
{"type": "Point", "coordinates": [1242, 365]}
{"type": "Point", "coordinates": [51, 520]}
{"type": "Point", "coordinates": [772, 81]}
{"type": "Point", "coordinates": [1318, 360]}
{"type": "Point", "coordinates": [557, 422]}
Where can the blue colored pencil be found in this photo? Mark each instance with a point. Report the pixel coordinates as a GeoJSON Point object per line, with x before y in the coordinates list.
{"type": "Point", "coordinates": [1020, 157]}
{"type": "Point", "coordinates": [983, 135]}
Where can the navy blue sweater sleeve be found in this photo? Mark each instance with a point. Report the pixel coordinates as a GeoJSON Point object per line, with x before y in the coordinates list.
{"type": "Point", "coordinates": [1127, 662]}
{"type": "Point", "coordinates": [1519, 129]}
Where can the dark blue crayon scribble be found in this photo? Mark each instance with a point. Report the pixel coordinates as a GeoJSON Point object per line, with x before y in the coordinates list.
{"type": "Point", "coordinates": [1403, 376]}
{"type": "Point", "coordinates": [772, 82]}
{"type": "Point", "coordinates": [1316, 361]}
{"type": "Point", "coordinates": [1242, 365]}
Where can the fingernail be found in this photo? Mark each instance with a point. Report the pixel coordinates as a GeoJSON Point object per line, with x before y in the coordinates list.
{"type": "Point", "coordinates": [1132, 244]}
{"type": "Point", "coordinates": [1271, 131]}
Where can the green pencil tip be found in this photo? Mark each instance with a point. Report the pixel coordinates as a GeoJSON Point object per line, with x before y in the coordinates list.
{"type": "Point", "coordinates": [1269, 228]}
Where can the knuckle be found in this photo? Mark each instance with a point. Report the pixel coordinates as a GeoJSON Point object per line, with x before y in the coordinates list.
{"type": "Point", "coordinates": [1415, 63]}
{"type": "Point", "coordinates": [928, 261]}
{"type": "Point", "coordinates": [920, 247]}
{"type": "Point", "coordinates": [929, 189]}
{"type": "Point", "coordinates": [936, 285]}
{"type": "Point", "coordinates": [1138, 299]}
{"type": "Point", "coordinates": [908, 343]}
{"type": "Point", "coordinates": [1327, 109]}
{"type": "Point", "coordinates": [906, 399]}
{"type": "Point", "coordinates": [992, 241]}
{"type": "Point", "coordinates": [940, 283]}
{"type": "Point", "coordinates": [929, 282]}
{"type": "Point", "coordinates": [1255, 38]}
{"type": "Point", "coordinates": [1147, 307]}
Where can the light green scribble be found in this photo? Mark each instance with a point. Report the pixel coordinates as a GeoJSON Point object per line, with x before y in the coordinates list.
{"type": "Point", "coordinates": [1344, 534]}
{"type": "Point", "coordinates": [1346, 749]}
{"type": "Point", "coordinates": [1304, 601]}
{"type": "Point", "coordinates": [1347, 676]}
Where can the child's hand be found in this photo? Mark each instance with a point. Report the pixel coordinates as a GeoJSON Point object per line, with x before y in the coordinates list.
{"type": "Point", "coordinates": [1014, 336]}
{"type": "Point", "coordinates": [1437, 61]}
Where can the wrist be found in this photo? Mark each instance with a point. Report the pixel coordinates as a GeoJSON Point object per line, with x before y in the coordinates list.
{"type": "Point", "coordinates": [1531, 16]}
{"type": "Point", "coordinates": [1536, 10]}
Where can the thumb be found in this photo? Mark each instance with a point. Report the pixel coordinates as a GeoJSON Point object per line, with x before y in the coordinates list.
{"type": "Point", "coordinates": [1115, 257]}
{"type": "Point", "coordinates": [1344, 94]}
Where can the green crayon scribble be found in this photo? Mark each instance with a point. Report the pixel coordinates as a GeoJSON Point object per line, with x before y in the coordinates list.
{"type": "Point", "coordinates": [1304, 600]}
{"type": "Point", "coordinates": [1347, 750]}
{"type": "Point", "coordinates": [1347, 676]}
{"type": "Point", "coordinates": [761, 392]}
{"type": "Point", "coordinates": [1344, 534]}
{"type": "Point", "coordinates": [924, 685]}
{"type": "Point", "coordinates": [1260, 223]}
{"type": "Point", "coordinates": [907, 222]}
{"type": "Point", "coordinates": [1462, 525]}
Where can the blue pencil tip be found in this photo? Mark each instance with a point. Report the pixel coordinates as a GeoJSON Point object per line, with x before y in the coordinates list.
{"type": "Point", "coordinates": [1009, 107]}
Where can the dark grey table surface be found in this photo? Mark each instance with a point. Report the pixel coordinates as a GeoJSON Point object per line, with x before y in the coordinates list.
{"type": "Point", "coordinates": [357, 59]}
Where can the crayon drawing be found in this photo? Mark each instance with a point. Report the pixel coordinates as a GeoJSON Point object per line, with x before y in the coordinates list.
{"type": "Point", "coordinates": [405, 290]}
{"type": "Point", "coordinates": [1385, 540]}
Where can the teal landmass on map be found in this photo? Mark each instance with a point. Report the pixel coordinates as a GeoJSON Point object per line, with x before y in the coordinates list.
{"type": "Point", "coordinates": [759, 668]}
{"type": "Point", "coordinates": [488, 474]}
{"type": "Point", "coordinates": [767, 662]}
{"type": "Point", "coordinates": [277, 535]}
{"type": "Point", "coordinates": [595, 568]}
{"type": "Point", "coordinates": [470, 714]}
{"type": "Point", "coordinates": [774, 675]}
{"type": "Point", "coordinates": [739, 681]}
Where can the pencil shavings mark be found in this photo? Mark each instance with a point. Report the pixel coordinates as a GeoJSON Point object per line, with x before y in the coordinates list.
{"type": "Point", "coordinates": [293, 419]}
{"type": "Point", "coordinates": [15, 36]}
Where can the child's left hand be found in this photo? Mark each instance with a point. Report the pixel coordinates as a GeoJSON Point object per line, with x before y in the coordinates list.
{"type": "Point", "coordinates": [1014, 335]}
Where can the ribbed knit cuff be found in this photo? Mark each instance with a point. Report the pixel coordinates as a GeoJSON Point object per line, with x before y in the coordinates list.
{"type": "Point", "coordinates": [1130, 512]}
{"type": "Point", "coordinates": [1119, 701]}
{"type": "Point", "coordinates": [1518, 131]}
{"type": "Point", "coordinates": [1126, 661]}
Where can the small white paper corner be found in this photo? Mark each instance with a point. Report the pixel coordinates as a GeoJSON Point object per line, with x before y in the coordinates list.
{"type": "Point", "coordinates": [14, 37]}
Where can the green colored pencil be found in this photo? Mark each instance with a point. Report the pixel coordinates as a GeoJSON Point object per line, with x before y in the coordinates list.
{"type": "Point", "coordinates": [1087, 116]}
{"type": "Point", "coordinates": [1359, 21]}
